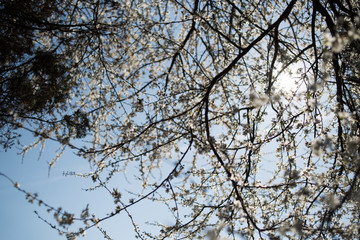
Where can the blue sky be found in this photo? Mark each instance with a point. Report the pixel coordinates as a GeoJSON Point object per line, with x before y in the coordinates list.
{"type": "Point", "coordinates": [17, 218]}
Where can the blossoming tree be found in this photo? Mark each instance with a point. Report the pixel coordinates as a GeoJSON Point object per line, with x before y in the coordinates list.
{"type": "Point", "coordinates": [140, 84]}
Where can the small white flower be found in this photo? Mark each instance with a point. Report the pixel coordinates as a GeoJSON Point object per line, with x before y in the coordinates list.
{"type": "Point", "coordinates": [332, 200]}
{"type": "Point", "coordinates": [237, 203]}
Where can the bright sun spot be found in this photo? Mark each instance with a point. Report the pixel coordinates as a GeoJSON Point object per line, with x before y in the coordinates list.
{"type": "Point", "coordinates": [290, 80]}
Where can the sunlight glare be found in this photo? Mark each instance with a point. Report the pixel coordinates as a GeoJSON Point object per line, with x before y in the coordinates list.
{"type": "Point", "coordinates": [290, 80]}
